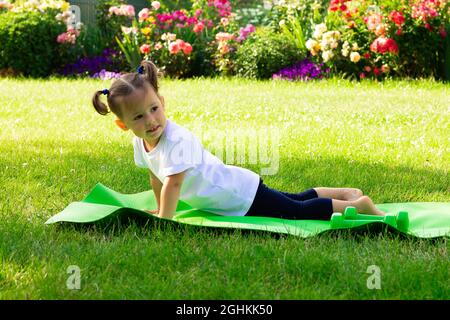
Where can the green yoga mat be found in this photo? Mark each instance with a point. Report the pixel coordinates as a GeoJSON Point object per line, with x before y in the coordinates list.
{"type": "Point", "coordinates": [102, 204]}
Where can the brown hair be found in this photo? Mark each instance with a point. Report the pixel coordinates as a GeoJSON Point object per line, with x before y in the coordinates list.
{"type": "Point", "coordinates": [124, 86]}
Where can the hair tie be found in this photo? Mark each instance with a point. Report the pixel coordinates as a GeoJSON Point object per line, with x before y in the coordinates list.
{"type": "Point", "coordinates": [140, 69]}
{"type": "Point", "coordinates": [105, 91]}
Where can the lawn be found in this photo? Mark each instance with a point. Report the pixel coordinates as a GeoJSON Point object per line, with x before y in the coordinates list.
{"type": "Point", "coordinates": [389, 139]}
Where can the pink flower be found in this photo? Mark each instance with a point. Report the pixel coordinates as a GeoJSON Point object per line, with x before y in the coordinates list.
{"type": "Point", "coordinates": [224, 21]}
{"type": "Point", "coordinates": [425, 9]}
{"type": "Point", "coordinates": [198, 12]}
{"type": "Point", "coordinates": [199, 27]}
{"type": "Point", "coordinates": [70, 36]}
{"type": "Point", "coordinates": [158, 46]}
{"type": "Point", "coordinates": [244, 32]}
{"type": "Point", "coordinates": [224, 36]}
{"type": "Point", "coordinates": [145, 48]}
{"type": "Point", "coordinates": [174, 47]}
{"type": "Point", "coordinates": [380, 30]}
{"type": "Point", "coordinates": [362, 75]}
{"type": "Point", "coordinates": [143, 14]}
{"type": "Point", "coordinates": [114, 10]}
{"type": "Point", "coordinates": [223, 47]}
{"type": "Point", "coordinates": [442, 32]}
{"type": "Point", "coordinates": [156, 5]}
{"type": "Point", "coordinates": [129, 9]}
{"type": "Point", "coordinates": [373, 21]}
{"type": "Point", "coordinates": [367, 68]}
{"type": "Point", "coordinates": [383, 45]}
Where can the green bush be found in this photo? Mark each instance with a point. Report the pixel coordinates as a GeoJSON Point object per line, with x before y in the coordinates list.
{"type": "Point", "coordinates": [264, 53]}
{"type": "Point", "coordinates": [28, 42]}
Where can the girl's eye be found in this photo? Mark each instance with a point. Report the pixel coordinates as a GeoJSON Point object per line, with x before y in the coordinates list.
{"type": "Point", "coordinates": [154, 108]}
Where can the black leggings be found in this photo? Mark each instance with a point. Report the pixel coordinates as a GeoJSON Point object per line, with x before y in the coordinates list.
{"type": "Point", "coordinates": [298, 206]}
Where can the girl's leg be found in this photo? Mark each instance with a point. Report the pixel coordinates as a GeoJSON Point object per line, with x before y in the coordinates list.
{"type": "Point", "coordinates": [302, 196]}
{"type": "Point", "coordinates": [339, 193]}
{"type": "Point", "coordinates": [364, 205]}
{"type": "Point", "coordinates": [273, 203]}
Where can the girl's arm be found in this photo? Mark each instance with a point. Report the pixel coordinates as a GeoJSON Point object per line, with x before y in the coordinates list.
{"type": "Point", "coordinates": [156, 186]}
{"type": "Point", "coordinates": [170, 194]}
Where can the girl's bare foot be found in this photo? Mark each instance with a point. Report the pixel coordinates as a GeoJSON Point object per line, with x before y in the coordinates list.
{"type": "Point", "coordinates": [365, 205]}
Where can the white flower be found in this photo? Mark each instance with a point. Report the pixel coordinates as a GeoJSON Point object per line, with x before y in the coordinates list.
{"type": "Point", "coordinates": [282, 22]}
{"type": "Point", "coordinates": [156, 5]}
{"type": "Point", "coordinates": [311, 43]}
{"type": "Point", "coordinates": [327, 55]}
{"type": "Point", "coordinates": [126, 30]}
{"type": "Point", "coordinates": [319, 30]}
{"type": "Point", "coordinates": [344, 52]}
{"type": "Point", "coordinates": [333, 44]}
{"type": "Point", "coordinates": [355, 47]}
{"type": "Point", "coordinates": [354, 57]}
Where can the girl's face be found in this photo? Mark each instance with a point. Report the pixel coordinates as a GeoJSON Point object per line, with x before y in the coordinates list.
{"type": "Point", "coordinates": [143, 113]}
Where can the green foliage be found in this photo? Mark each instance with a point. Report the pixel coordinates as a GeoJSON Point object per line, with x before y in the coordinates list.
{"type": "Point", "coordinates": [91, 41]}
{"type": "Point", "coordinates": [264, 53]}
{"type": "Point", "coordinates": [109, 26]}
{"type": "Point", "coordinates": [130, 48]}
{"type": "Point", "coordinates": [258, 16]}
{"type": "Point", "coordinates": [28, 42]}
{"type": "Point", "coordinates": [294, 31]}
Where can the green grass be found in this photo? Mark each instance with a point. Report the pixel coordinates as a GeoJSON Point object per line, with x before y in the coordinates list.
{"type": "Point", "coordinates": [391, 140]}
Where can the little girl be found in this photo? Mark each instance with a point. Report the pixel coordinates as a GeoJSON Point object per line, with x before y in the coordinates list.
{"type": "Point", "coordinates": [180, 168]}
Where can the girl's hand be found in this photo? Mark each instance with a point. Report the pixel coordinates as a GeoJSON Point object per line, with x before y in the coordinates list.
{"type": "Point", "coordinates": [155, 212]}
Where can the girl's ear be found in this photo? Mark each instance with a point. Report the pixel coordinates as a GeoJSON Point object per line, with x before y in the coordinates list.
{"type": "Point", "coordinates": [163, 102]}
{"type": "Point", "coordinates": [121, 125]}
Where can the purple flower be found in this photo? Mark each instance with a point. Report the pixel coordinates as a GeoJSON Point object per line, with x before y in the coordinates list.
{"type": "Point", "coordinates": [303, 70]}
{"type": "Point", "coordinates": [90, 65]}
{"type": "Point", "coordinates": [106, 75]}
{"type": "Point", "coordinates": [244, 32]}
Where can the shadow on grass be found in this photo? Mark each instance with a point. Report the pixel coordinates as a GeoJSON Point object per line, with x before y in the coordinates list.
{"type": "Point", "coordinates": [143, 227]}
{"type": "Point", "coordinates": [295, 175]}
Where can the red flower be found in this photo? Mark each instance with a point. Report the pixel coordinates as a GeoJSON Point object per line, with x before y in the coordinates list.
{"type": "Point", "coordinates": [376, 71]}
{"type": "Point", "coordinates": [145, 48]}
{"type": "Point", "coordinates": [397, 17]}
{"type": "Point", "coordinates": [383, 45]}
{"type": "Point", "coordinates": [442, 32]}
{"type": "Point", "coordinates": [366, 55]}
{"type": "Point", "coordinates": [428, 27]}
{"type": "Point", "coordinates": [199, 27]}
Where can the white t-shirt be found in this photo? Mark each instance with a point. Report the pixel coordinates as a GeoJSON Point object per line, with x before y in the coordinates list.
{"type": "Point", "coordinates": [209, 184]}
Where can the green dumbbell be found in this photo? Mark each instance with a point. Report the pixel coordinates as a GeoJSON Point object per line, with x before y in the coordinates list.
{"type": "Point", "coordinates": [337, 220]}
{"type": "Point", "coordinates": [391, 220]}
{"type": "Point", "coordinates": [350, 213]}
{"type": "Point", "coordinates": [403, 220]}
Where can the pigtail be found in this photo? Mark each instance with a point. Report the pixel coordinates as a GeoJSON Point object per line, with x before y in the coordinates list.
{"type": "Point", "coordinates": [151, 73]}
{"type": "Point", "coordinates": [99, 106]}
